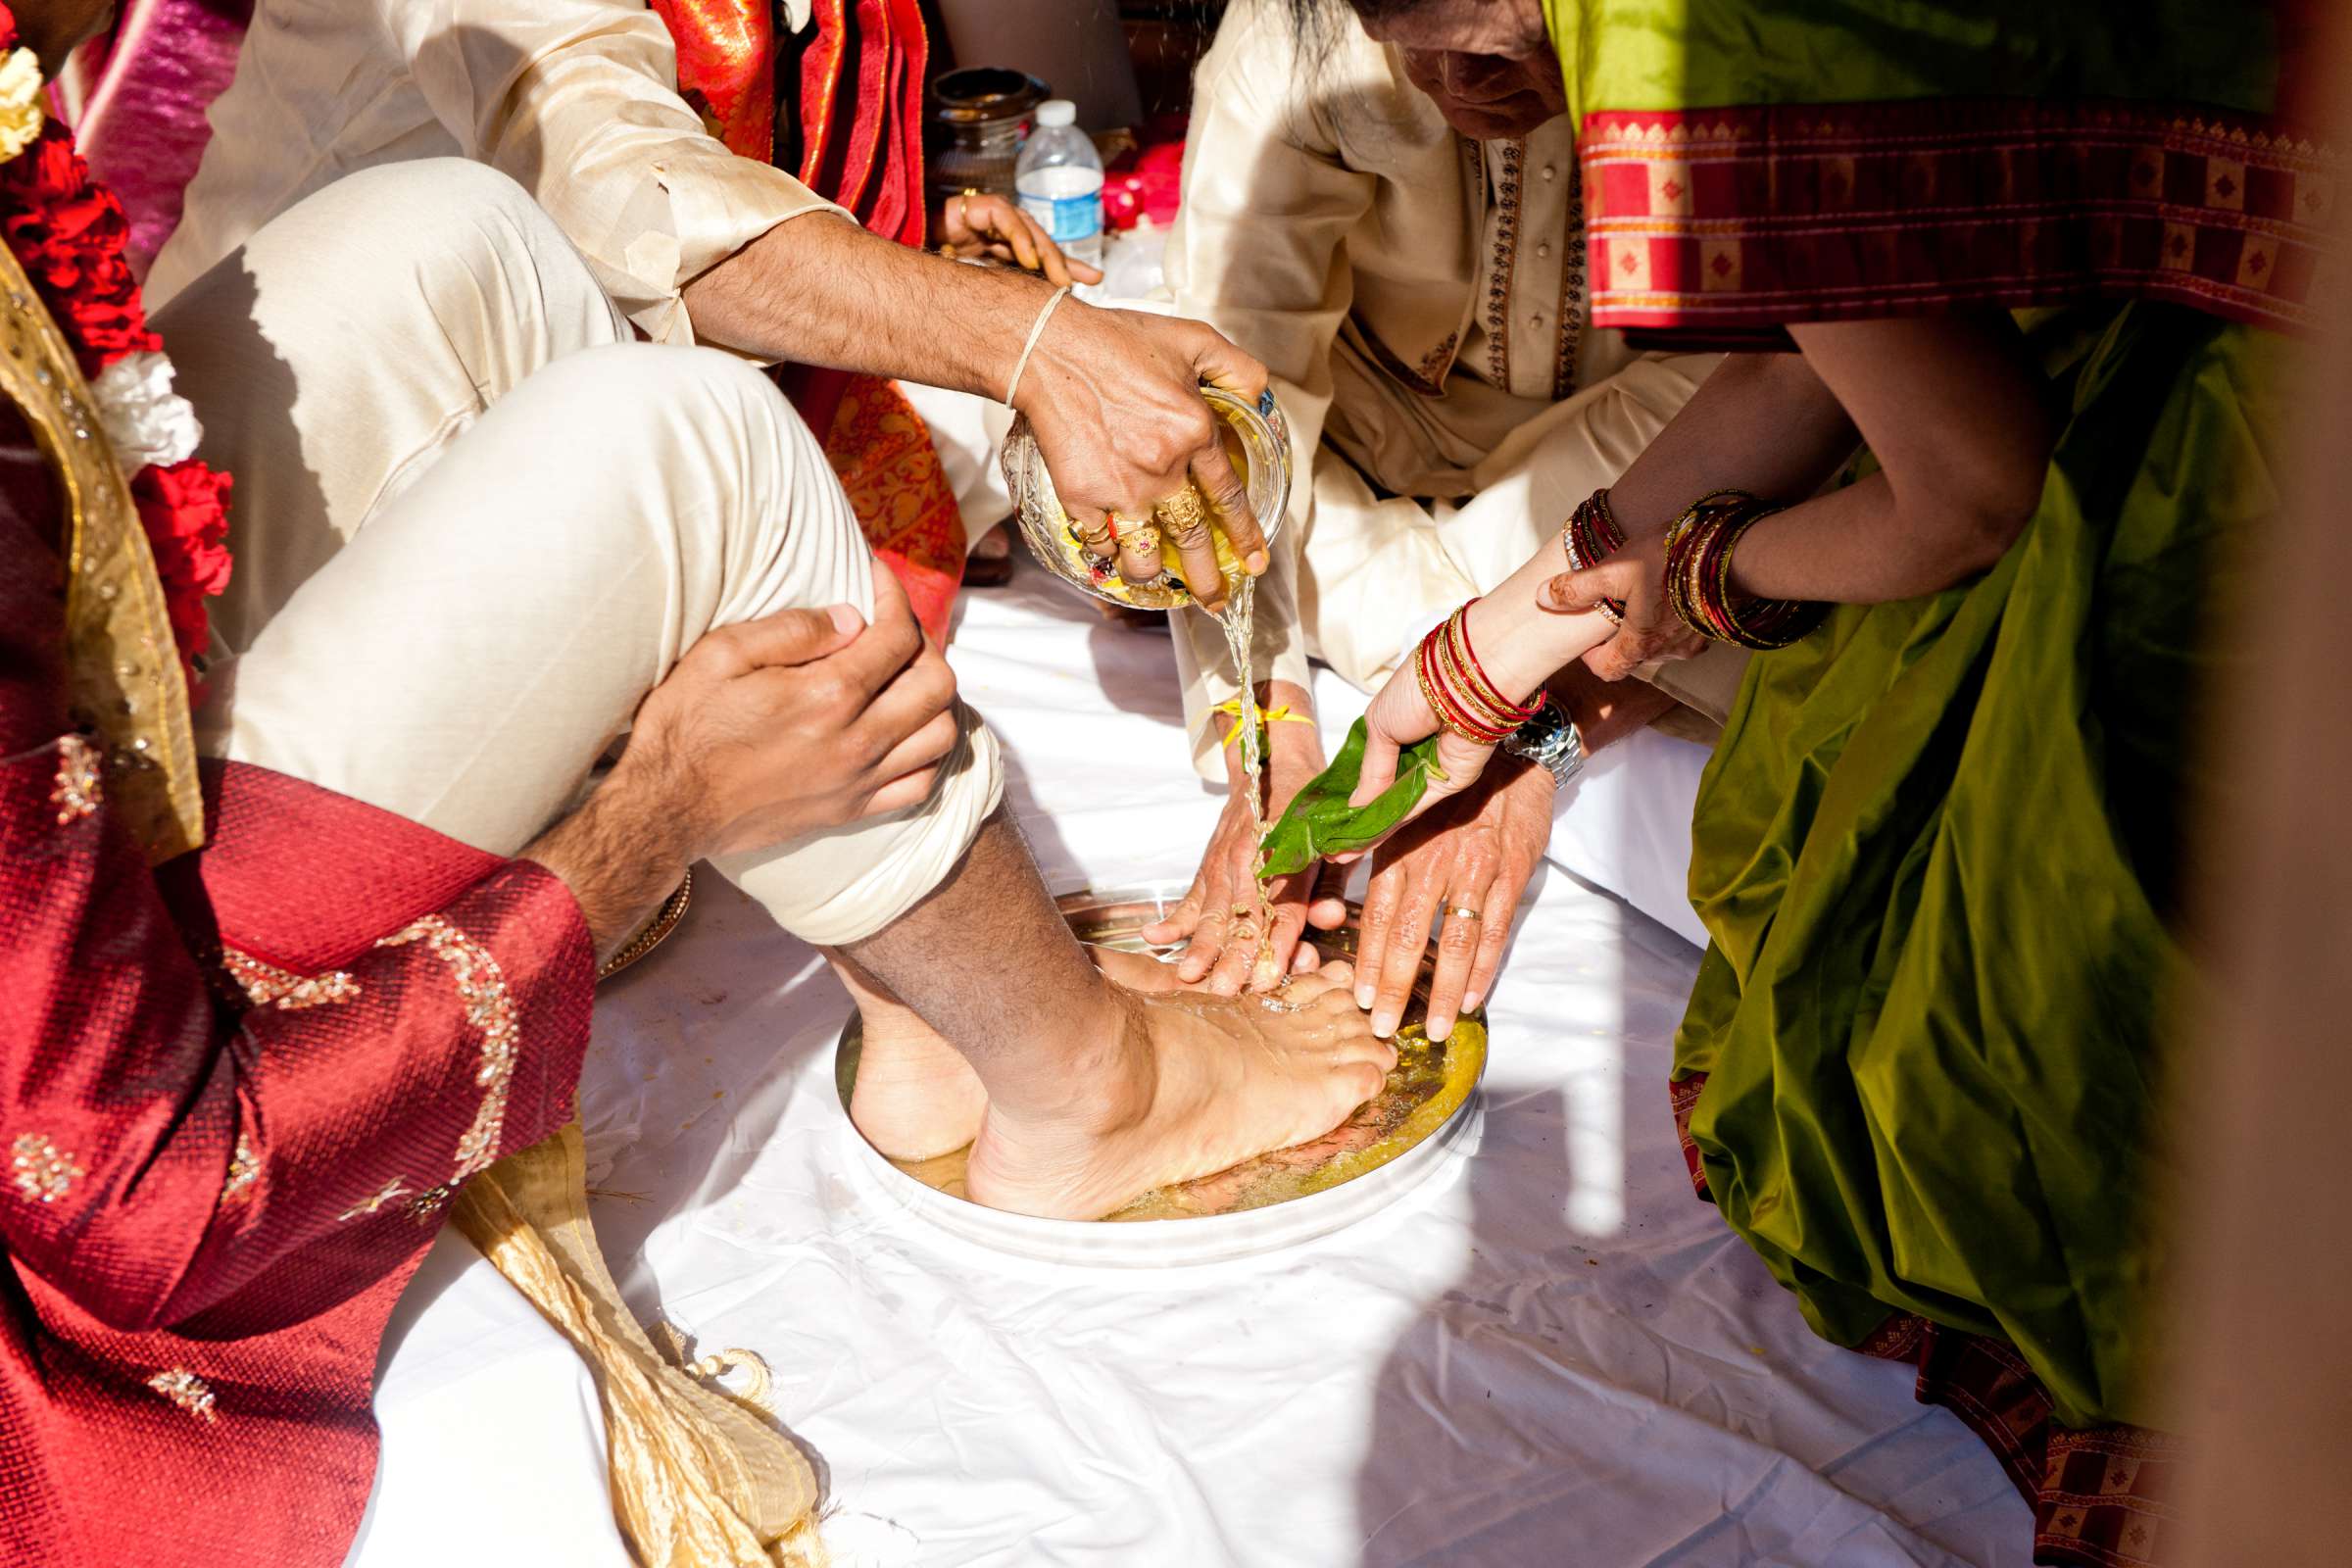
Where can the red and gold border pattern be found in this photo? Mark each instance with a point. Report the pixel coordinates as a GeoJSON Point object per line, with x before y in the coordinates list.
{"type": "Point", "coordinates": [1740, 220]}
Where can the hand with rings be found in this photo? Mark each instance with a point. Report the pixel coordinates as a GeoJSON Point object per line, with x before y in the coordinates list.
{"type": "Point", "coordinates": [1115, 400]}
{"type": "Point", "coordinates": [1468, 863]}
{"type": "Point", "coordinates": [975, 223]}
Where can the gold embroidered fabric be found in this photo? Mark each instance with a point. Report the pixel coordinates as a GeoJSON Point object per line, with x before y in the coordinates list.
{"type": "Point", "coordinates": [698, 1480]}
{"type": "Point", "coordinates": [266, 985]}
{"type": "Point", "coordinates": [122, 673]}
{"type": "Point", "coordinates": [40, 1170]}
{"type": "Point", "coordinates": [490, 1007]}
{"type": "Point", "coordinates": [186, 1389]}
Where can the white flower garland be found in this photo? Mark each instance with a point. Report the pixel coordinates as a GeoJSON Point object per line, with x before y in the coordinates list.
{"type": "Point", "coordinates": [146, 421]}
{"type": "Point", "coordinates": [21, 109]}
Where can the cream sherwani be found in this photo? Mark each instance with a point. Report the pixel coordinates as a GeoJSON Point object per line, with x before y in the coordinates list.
{"type": "Point", "coordinates": [574, 100]}
{"type": "Point", "coordinates": [1419, 300]}
{"type": "Point", "coordinates": [475, 520]}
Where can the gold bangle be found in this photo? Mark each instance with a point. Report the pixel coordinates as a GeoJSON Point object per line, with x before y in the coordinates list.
{"type": "Point", "coordinates": [656, 931]}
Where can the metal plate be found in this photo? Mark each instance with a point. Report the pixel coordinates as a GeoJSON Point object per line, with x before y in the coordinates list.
{"type": "Point", "coordinates": [1414, 1130]}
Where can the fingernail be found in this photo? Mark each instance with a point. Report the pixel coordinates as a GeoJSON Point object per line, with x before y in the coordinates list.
{"type": "Point", "coordinates": [1257, 563]}
{"type": "Point", "coordinates": [844, 617]}
{"type": "Point", "coordinates": [1363, 996]}
{"type": "Point", "coordinates": [1439, 1028]}
{"type": "Point", "coordinates": [1384, 1023]}
{"type": "Point", "coordinates": [1470, 1002]}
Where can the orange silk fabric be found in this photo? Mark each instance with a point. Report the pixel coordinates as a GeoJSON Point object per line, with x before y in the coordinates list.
{"type": "Point", "coordinates": [862, 134]}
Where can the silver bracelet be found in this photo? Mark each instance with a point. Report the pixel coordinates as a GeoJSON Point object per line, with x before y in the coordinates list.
{"type": "Point", "coordinates": [1037, 330]}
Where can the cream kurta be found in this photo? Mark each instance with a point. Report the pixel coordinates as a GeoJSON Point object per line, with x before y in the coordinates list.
{"type": "Point", "coordinates": [575, 100]}
{"type": "Point", "coordinates": [1419, 300]}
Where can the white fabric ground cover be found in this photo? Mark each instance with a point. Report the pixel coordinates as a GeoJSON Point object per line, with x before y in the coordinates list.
{"type": "Point", "coordinates": [1557, 1356]}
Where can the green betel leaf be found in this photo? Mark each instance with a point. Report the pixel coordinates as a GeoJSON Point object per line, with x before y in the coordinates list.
{"type": "Point", "coordinates": [1321, 822]}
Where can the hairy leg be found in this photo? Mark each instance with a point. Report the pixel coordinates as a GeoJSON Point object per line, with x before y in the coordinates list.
{"type": "Point", "coordinates": [1096, 1092]}
{"type": "Point", "coordinates": [915, 1097]}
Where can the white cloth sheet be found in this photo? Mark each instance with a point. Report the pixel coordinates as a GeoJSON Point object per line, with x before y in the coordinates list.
{"type": "Point", "coordinates": [1560, 1356]}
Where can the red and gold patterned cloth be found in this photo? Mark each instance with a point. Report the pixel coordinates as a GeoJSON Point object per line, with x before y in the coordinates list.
{"type": "Point", "coordinates": [860, 144]}
{"type": "Point", "coordinates": [235, 1093]}
{"type": "Point", "coordinates": [1718, 222]}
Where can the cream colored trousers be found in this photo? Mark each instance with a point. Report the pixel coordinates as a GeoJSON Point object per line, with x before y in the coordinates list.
{"type": "Point", "coordinates": [474, 523]}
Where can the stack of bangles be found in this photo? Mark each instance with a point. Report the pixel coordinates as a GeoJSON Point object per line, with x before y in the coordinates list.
{"type": "Point", "coordinates": [1698, 576]}
{"type": "Point", "coordinates": [1456, 686]}
{"type": "Point", "coordinates": [1589, 537]}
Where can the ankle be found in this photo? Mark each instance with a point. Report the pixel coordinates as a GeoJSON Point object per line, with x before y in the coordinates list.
{"type": "Point", "coordinates": [1096, 1070]}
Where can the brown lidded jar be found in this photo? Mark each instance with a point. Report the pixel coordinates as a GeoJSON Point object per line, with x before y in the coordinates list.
{"type": "Point", "coordinates": [972, 128]}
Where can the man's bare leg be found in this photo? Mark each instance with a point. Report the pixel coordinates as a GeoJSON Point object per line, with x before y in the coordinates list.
{"type": "Point", "coordinates": [1097, 1094]}
{"type": "Point", "coordinates": [915, 1097]}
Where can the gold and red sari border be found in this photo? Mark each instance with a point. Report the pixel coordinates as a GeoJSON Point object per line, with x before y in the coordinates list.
{"type": "Point", "coordinates": [1735, 222]}
{"type": "Point", "coordinates": [2101, 1497]}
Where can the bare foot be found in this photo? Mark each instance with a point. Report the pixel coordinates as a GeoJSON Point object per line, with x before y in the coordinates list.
{"type": "Point", "coordinates": [915, 1097]}
{"type": "Point", "coordinates": [1197, 1084]}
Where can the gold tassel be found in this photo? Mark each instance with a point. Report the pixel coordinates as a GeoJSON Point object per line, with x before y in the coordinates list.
{"type": "Point", "coordinates": [699, 1479]}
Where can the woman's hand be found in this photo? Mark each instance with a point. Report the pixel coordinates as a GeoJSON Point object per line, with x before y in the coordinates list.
{"type": "Point", "coordinates": [1398, 716]}
{"type": "Point", "coordinates": [1115, 398]}
{"type": "Point", "coordinates": [1651, 631]}
{"type": "Point", "coordinates": [982, 224]}
{"type": "Point", "coordinates": [1472, 861]}
{"type": "Point", "coordinates": [1216, 917]}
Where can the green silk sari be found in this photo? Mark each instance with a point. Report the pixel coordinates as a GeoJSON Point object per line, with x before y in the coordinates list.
{"type": "Point", "coordinates": [1936, 849]}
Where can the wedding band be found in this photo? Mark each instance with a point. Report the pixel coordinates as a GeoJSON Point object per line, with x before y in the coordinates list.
{"type": "Point", "coordinates": [1184, 515]}
{"type": "Point", "coordinates": [1460, 911]}
{"type": "Point", "coordinates": [1102, 534]}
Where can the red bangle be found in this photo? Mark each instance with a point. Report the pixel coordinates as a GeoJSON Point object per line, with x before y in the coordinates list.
{"type": "Point", "coordinates": [1458, 630]}
{"type": "Point", "coordinates": [1443, 703]}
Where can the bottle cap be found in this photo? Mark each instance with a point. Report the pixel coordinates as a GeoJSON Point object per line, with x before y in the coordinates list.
{"type": "Point", "coordinates": [1056, 112]}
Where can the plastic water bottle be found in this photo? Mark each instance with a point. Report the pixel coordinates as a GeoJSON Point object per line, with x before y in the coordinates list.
{"type": "Point", "coordinates": [1059, 178]}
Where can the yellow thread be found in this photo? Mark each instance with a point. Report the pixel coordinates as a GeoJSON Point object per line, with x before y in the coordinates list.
{"type": "Point", "coordinates": [1266, 715]}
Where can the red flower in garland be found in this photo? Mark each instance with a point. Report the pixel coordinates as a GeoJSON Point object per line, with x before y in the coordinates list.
{"type": "Point", "coordinates": [67, 234]}
{"type": "Point", "coordinates": [186, 504]}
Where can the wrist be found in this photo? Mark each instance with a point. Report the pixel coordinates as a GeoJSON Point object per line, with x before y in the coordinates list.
{"type": "Point", "coordinates": [1042, 316]}
{"type": "Point", "coordinates": [1518, 646]}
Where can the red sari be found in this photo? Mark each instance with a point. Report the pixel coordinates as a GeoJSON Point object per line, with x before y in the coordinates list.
{"type": "Point", "coordinates": [235, 1093]}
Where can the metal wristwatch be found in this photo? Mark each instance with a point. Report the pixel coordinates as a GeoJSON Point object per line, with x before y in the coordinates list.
{"type": "Point", "coordinates": [1550, 741]}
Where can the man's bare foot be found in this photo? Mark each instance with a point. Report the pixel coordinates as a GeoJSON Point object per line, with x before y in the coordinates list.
{"type": "Point", "coordinates": [915, 1096]}
{"type": "Point", "coordinates": [1197, 1084]}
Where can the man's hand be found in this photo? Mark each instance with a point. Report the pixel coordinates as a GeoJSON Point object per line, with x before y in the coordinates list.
{"type": "Point", "coordinates": [1475, 854]}
{"type": "Point", "coordinates": [1217, 917]}
{"type": "Point", "coordinates": [774, 728]}
{"type": "Point", "coordinates": [982, 224]}
{"type": "Point", "coordinates": [765, 731]}
{"type": "Point", "coordinates": [1114, 397]}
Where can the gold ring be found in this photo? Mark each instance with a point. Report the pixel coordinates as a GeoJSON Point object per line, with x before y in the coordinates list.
{"type": "Point", "coordinates": [1096, 537]}
{"type": "Point", "coordinates": [1460, 911]}
{"type": "Point", "coordinates": [1184, 515]}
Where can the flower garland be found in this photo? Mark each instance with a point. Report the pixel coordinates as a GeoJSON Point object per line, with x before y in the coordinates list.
{"type": "Point", "coordinates": [67, 234]}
